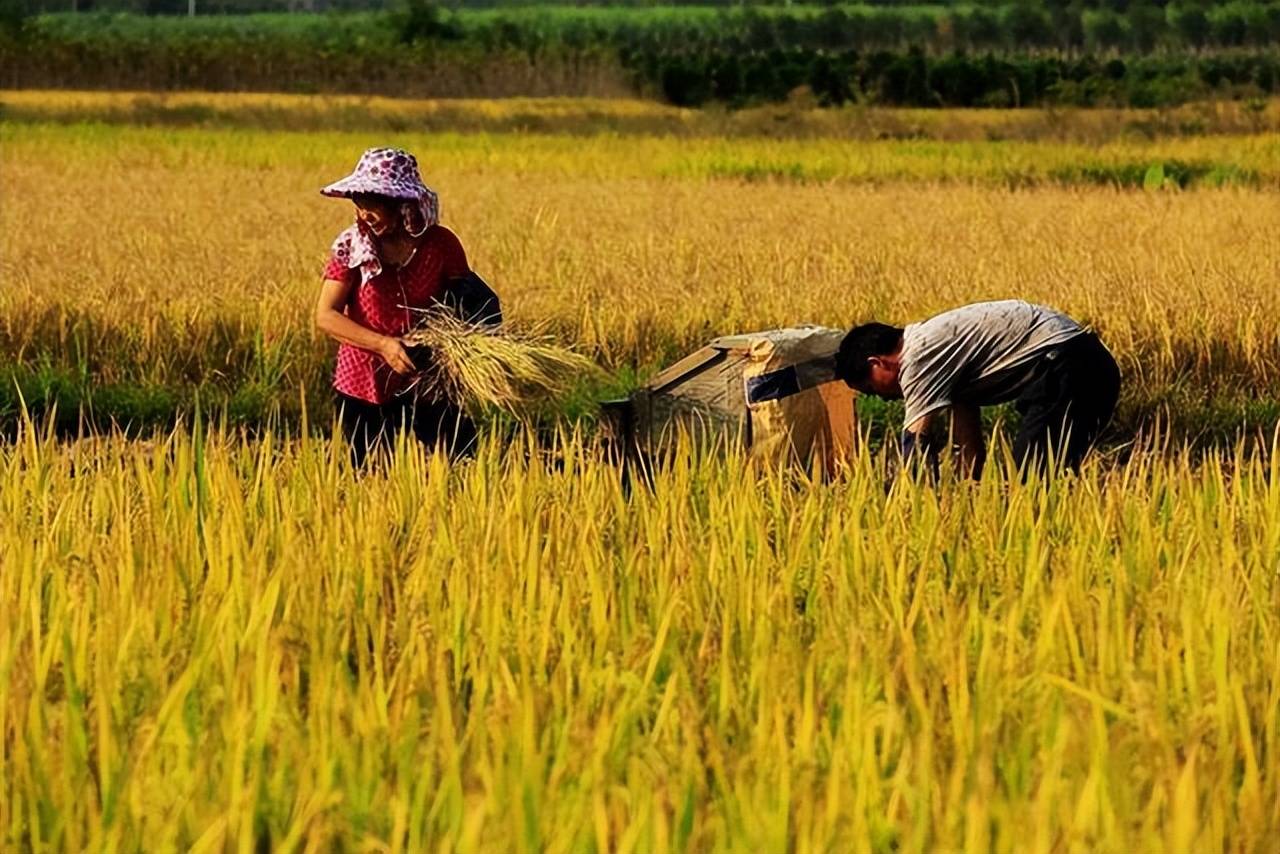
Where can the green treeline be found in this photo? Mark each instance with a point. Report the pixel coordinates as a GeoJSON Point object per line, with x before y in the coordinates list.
{"type": "Point", "coordinates": [1011, 26]}
{"type": "Point", "coordinates": [958, 80]}
{"type": "Point", "coordinates": [1119, 52]}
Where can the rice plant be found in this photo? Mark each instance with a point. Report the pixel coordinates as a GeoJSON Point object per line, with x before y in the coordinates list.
{"type": "Point", "coordinates": [221, 642]}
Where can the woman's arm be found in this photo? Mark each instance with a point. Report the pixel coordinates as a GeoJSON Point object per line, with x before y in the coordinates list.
{"type": "Point", "coordinates": [332, 321]}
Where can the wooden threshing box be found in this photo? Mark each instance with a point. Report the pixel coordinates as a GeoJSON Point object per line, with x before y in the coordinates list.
{"type": "Point", "coordinates": [774, 392]}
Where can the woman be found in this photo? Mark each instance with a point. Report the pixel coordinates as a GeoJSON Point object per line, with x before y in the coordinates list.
{"type": "Point", "coordinates": [395, 258]}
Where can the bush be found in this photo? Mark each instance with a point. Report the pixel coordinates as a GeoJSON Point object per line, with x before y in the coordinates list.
{"type": "Point", "coordinates": [906, 81]}
{"type": "Point", "coordinates": [685, 82]}
{"type": "Point", "coordinates": [422, 20]}
{"type": "Point", "coordinates": [959, 82]}
{"type": "Point", "coordinates": [830, 79]}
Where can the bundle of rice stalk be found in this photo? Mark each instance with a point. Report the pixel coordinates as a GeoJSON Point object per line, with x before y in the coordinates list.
{"type": "Point", "coordinates": [481, 365]}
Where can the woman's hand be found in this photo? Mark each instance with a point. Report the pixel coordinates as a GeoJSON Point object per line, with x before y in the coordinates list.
{"type": "Point", "coordinates": [331, 320]}
{"type": "Point", "coordinates": [393, 352]}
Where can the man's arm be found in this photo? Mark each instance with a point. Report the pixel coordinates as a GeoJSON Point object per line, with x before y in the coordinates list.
{"type": "Point", "coordinates": [915, 444]}
{"type": "Point", "coordinates": [966, 437]}
{"type": "Point", "coordinates": [913, 433]}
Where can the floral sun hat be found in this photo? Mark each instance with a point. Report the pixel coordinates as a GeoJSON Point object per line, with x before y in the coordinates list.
{"type": "Point", "coordinates": [391, 172]}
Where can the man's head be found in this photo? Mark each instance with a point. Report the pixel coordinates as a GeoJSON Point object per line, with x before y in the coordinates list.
{"type": "Point", "coordinates": [868, 359]}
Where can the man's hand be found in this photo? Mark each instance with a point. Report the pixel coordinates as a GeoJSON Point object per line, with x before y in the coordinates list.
{"type": "Point", "coordinates": [392, 351]}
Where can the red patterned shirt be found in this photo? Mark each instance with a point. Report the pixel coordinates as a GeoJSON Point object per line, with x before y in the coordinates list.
{"type": "Point", "coordinates": [378, 301]}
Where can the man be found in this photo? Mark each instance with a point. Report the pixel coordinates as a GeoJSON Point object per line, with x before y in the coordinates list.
{"type": "Point", "coordinates": [1064, 381]}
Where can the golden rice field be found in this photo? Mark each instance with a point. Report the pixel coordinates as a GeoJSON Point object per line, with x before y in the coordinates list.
{"type": "Point", "coordinates": [215, 637]}
{"type": "Point", "coordinates": [166, 258]}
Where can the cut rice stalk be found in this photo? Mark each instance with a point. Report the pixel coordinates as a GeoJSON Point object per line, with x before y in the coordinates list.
{"type": "Point", "coordinates": [481, 365]}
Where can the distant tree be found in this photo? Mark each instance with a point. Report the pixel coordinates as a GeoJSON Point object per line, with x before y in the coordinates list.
{"type": "Point", "coordinates": [834, 30]}
{"type": "Point", "coordinates": [1258, 24]}
{"type": "Point", "coordinates": [1067, 23]}
{"type": "Point", "coordinates": [1273, 22]}
{"type": "Point", "coordinates": [13, 14]}
{"type": "Point", "coordinates": [791, 30]}
{"type": "Point", "coordinates": [906, 81]}
{"type": "Point", "coordinates": [1146, 26]}
{"type": "Point", "coordinates": [1190, 23]}
{"type": "Point", "coordinates": [829, 80]}
{"type": "Point", "coordinates": [1229, 26]}
{"type": "Point", "coordinates": [727, 79]}
{"type": "Point", "coordinates": [761, 32]}
{"type": "Point", "coordinates": [1026, 24]}
{"type": "Point", "coordinates": [958, 81]}
{"type": "Point", "coordinates": [977, 28]}
{"type": "Point", "coordinates": [1105, 30]}
{"type": "Point", "coordinates": [761, 79]}
{"type": "Point", "coordinates": [885, 29]}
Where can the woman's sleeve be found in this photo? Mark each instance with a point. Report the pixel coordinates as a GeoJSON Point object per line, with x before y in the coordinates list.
{"type": "Point", "coordinates": [335, 270]}
{"type": "Point", "coordinates": [337, 267]}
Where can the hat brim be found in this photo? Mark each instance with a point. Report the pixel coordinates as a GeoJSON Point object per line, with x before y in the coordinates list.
{"type": "Point", "coordinates": [353, 185]}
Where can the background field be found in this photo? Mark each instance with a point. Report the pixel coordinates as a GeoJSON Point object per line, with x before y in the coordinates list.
{"type": "Point", "coordinates": [216, 637]}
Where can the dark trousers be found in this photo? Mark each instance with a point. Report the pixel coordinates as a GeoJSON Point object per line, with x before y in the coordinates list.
{"type": "Point", "coordinates": [1068, 404]}
{"type": "Point", "coordinates": [371, 428]}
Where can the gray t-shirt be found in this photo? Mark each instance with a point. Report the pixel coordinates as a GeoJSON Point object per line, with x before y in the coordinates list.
{"type": "Point", "coordinates": [977, 354]}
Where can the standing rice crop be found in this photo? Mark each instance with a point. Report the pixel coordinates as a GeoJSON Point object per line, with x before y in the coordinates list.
{"type": "Point", "coordinates": [229, 643]}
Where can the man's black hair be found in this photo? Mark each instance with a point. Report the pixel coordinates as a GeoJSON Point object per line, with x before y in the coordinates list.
{"type": "Point", "coordinates": [863, 342]}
